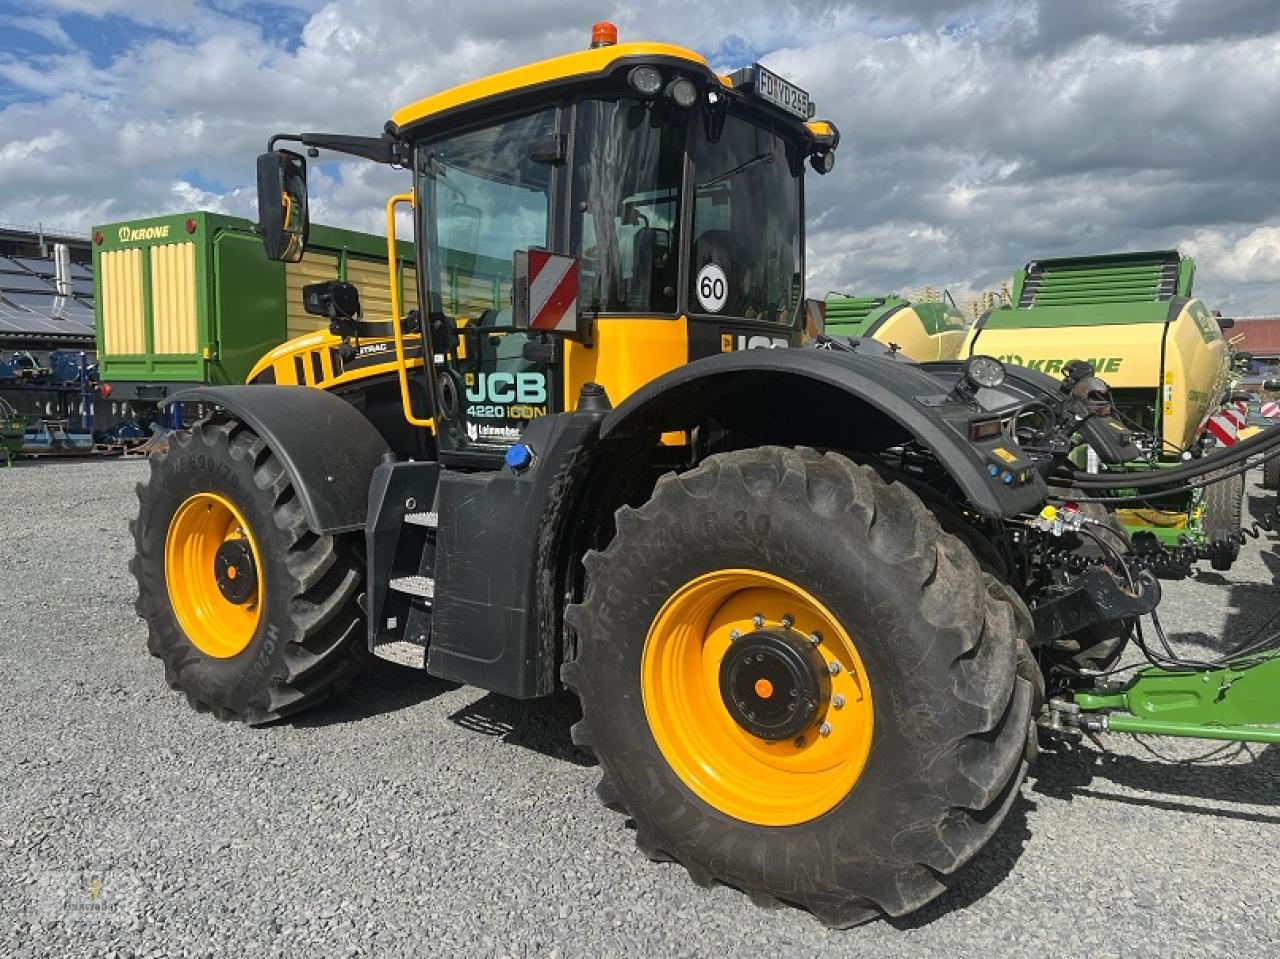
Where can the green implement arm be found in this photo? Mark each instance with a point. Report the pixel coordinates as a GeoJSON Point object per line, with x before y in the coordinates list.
{"type": "Point", "coordinates": [1240, 703]}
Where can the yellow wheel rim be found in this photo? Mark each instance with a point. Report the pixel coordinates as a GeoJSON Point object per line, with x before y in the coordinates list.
{"type": "Point", "coordinates": [770, 783]}
{"type": "Point", "coordinates": [215, 625]}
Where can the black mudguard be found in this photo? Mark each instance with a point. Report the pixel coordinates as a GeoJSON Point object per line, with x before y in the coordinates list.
{"type": "Point", "coordinates": [826, 399]}
{"type": "Point", "coordinates": [328, 447]}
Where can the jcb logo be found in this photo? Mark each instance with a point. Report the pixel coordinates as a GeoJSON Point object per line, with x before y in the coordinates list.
{"type": "Point", "coordinates": [507, 388]}
{"type": "Point", "coordinates": [728, 342]}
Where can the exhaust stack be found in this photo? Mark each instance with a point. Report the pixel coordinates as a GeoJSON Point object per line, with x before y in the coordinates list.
{"type": "Point", "coordinates": [62, 268]}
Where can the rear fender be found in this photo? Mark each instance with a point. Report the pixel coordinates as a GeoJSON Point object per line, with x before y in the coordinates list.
{"type": "Point", "coordinates": [826, 399]}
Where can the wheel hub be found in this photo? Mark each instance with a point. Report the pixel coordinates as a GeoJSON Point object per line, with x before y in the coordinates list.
{"type": "Point", "coordinates": [234, 571]}
{"type": "Point", "coordinates": [774, 683]}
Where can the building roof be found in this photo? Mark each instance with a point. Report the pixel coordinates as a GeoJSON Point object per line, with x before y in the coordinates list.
{"type": "Point", "coordinates": [32, 308]}
{"type": "Point", "coordinates": [1259, 335]}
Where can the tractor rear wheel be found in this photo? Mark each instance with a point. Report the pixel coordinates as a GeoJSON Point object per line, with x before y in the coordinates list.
{"type": "Point", "coordinates": [797, 684]}
{"type": "Point", "coordinates": [253, 615]}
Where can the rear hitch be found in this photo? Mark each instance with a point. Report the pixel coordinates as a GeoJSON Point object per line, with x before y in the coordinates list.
{"type": "Point", "coordinates": [1093, 597]}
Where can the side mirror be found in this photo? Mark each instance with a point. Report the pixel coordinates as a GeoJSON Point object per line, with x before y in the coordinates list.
{"type": "Point", "coordinates": [1225, 322]}
{"type": "Point", "coordinates": [815, 318]}
{"type": "Point", "coordinates": [544, 294]}
{"type": "Point", "coordinates": [283, 218]}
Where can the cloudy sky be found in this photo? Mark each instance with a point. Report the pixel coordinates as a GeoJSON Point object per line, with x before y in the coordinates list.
{"type": "Point", "coordinates": [976, 136]}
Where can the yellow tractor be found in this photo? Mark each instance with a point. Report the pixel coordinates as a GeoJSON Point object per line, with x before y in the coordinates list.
{"type": "Point", "coordinates": [570, 464]}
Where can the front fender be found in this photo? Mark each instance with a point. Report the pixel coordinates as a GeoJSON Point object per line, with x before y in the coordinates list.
{"type": "Point", "coordinates": [827, 399]}
{"type": "Point", "coordinates": [327, 446]}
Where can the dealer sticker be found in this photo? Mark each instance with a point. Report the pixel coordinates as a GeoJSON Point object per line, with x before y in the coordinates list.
{"type": "Point", "coordinates": [712, 288]}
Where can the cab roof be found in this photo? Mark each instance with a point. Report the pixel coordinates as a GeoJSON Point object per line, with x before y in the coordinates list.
{"type": "Point", "coordinates": [531, 78]}
{"type": "Point", "coordinates": [535, 80]}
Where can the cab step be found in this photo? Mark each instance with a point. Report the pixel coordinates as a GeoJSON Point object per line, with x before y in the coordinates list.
{"type": "Point", "coordinates": [429, 520]}
{"type": "Point", "coordinates": [402, 653]}
{"type": "Point", "coordinates": [421, 586]}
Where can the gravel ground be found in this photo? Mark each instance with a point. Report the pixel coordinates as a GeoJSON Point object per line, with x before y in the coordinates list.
{"type": "Point", "coordinates": [412, 817]}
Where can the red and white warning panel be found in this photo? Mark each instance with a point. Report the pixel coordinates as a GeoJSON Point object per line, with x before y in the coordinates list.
{"type": "Point", "coordinates": [553, 292]}
{"type": "Point", "coordinates": [1271, 410]}
{"type": "Point", "coordinates": [1225, 425]}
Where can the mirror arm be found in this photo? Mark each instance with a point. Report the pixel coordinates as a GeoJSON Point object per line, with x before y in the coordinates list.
{"type": "Point", "coordinates": [384, 149]}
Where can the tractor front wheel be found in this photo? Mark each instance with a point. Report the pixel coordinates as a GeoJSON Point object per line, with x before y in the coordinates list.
{"type": "Point", "coordinates": [253, 615]}
{"type": "Point", "coordinates": [797, 684]}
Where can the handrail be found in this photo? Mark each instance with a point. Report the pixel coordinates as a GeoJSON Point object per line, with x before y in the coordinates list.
{"type": "Point", "coordinates": [402, 368]}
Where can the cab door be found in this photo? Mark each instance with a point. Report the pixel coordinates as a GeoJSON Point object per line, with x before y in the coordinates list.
{"type": "Point", "coordinates": [485, 194]}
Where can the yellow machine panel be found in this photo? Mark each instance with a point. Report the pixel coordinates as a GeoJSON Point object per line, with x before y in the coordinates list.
{"type": "Point", "coordinates": [123, 317]}
{"type": "Point", "coordinates": [173, 298]}
{"type": "Point", "coordinates": [1197, 363]}
{"type": "Point", "coordinates": [1126, 356]}
{"type": "Point", "coordinates": [625, 356]}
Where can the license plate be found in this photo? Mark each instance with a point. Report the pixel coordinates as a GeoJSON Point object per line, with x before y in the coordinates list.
{"type": "Point", "coordinates": [769, 86]}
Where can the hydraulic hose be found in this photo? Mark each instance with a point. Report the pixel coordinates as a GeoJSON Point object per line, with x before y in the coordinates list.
{"type": "Point", "coordinates": [1174, 475]}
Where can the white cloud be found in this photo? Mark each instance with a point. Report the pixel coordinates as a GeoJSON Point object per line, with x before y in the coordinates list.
{"type": "Point", "coordinates": [976, 135]}
{"type": "Point", "coordinates": [1251, 258]}
{"type": "Point", "coordinates": [47, 27]}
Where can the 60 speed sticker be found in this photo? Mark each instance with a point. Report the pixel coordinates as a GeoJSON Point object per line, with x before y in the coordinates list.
{"type": "Point", "coordinates": [712, 288]}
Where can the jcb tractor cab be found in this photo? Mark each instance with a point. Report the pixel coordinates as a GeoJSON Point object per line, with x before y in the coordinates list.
{"type": "Point", "coordinates": [569, 465]}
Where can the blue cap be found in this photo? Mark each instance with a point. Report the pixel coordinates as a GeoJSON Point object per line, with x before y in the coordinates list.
{"type": "Point", "coordinates": [1006, 478]}
{"type": "Point", "coordinates": [992, 470]}
{"type": "Point", "coordinates": [519, 456]}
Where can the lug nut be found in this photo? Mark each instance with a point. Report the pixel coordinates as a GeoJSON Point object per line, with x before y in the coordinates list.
{"type": "Point", "coordinates": [757, 621]}
{"type": "Point", "coordinates": [735, 635]}
{"type": "Point", "coordinates": [833, 667]}
{"type": "Point", "coordinates": [825, 729]}
{"type": "Point", "coordinates": [815, 637]}
{"type": "Point", "coordinates": [837, 701]}
{"type": "Point", "coordinates": [799, 741]}
{"type": "Point", "coordinates": [787, 621]}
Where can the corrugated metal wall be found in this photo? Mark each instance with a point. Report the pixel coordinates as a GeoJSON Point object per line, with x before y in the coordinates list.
{"type": "Point", "coordinates": [173, 298]}
{"type": "Point", "coordinates": [122, 312]}
{"type": "Point", "coordinates": [370, 276]}
{"type": "Point", "coordinates": [314, 268]}
{"type": "Point", "coordinates": [375, 297]}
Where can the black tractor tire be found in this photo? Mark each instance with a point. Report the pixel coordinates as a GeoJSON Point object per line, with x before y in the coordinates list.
{"type": "Point", "coordinates": [310, 621]}
{"type": "Point", "coordinates": [1271, 473]}
{"type": "Point", "coordinates": [1223, 514]}
{"type": "Point", "coordinates": [941, 641]}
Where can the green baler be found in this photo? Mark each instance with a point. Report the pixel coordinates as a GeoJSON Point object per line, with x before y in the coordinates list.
{"type": "Point", "coordinates": [923, 330]}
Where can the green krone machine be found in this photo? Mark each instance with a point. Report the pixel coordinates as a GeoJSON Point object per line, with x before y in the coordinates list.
{"type": "Point", "coordinates": [1134, 317]}
{"type": "Point", "coordinates": [190, 299]}
{"type": "Point", "coordinates": [923, 330]}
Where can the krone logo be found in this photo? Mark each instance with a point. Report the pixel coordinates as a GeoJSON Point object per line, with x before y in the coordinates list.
{"type": "Point", "coordinates": [129, 234]}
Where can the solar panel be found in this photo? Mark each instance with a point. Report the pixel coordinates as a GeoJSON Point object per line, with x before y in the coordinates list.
{"type": "Point", "coordinates": [41, 325]}
{"type": "Point", "coordinates": [81, 287]}
{"type": "Point", "coordinates": [23, 282]}
{"type": "Point", "coordinates": [36, 265]}
{"type": "Point", "coordinates": [61, 308]}
{"type": "Point", "coordinates": [81, 272]}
